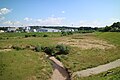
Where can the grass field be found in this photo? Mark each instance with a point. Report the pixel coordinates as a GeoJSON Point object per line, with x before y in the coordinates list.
{"type": "Point", "coordinates": [24, 65]}
{"type": "Point", "coordinates": [19, 39]}
{"type": "Point", "coordinates": [80, 59]}
{"type": "Point", "coordinates": [112, 37]}
{"type": "Point", "coordinates": [87, 50]}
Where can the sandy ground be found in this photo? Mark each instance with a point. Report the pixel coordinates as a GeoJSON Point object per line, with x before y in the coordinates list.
{"type": "Point", "coordinates": [86, 42]}
{"type": "Point", "coordinates": [5, 50]}
{"type": "Point", "coordinates": [59, 72]}
{"type": "Point", "coordinates": [99, 69]}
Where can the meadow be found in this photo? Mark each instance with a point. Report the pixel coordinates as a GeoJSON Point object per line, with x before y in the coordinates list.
{"type": "Point", "coordinates": [24, 65]}
{"type": "Point", "coordinates": [86, 50]}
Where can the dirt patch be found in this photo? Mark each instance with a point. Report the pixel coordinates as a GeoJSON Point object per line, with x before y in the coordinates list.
{"type": "Point", "coordinates": [97, 70]}
{"type": "Point", "coordinates": [59, 72]}
{"type": "Point", "coordinates": [86, 42]}
{"type": "Point", "coordinates": [5, 50]}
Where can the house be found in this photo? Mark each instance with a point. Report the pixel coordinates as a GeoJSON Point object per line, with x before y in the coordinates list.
{"type": "Point", "coordinates": [47, 30]}
{"type": "Point", "coordinates": [11, 29]}
{"type": "Point", "coordinates": [27, 29]}
{"type": "Point", "coordinates": [68, 30]}
{"type": "Point", "coordinates": [1, 31]}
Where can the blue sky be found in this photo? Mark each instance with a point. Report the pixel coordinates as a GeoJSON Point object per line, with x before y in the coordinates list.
{"type": "Point", "coordinates": [59, 12]}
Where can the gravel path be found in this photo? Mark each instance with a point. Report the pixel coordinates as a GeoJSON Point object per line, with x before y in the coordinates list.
{"type": "Point", "coordinates": [99, 69]}
{"type": "Point", "coordinates": [59, 72]}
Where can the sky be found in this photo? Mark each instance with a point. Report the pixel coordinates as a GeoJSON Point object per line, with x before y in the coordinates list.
{"type": "Point", "coordinates": [89, 13]}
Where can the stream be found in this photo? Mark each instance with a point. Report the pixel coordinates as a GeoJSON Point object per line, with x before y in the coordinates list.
{"type": "Point", "coordinates": [59, 72]}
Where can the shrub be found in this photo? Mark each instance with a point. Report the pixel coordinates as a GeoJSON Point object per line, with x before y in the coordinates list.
{"type": "Point", "coordinates": [27, 36]}
{"type": "Point", "coordinates": [62, 49]}
{"type": "Point", "coordinates": [17, 48]}
{"type": "Point", "coordinates": [49, 50]}
{"type": "Point", "coordinates": [1, 38]}
{"type": "Point", "coordinates": [64, 33]}
{"type": "Point", "coordinates": [45, 35]}
{"type": "Point", "coordinates": [34, 35]}
{"type": "Point", "coordinates": [70, 33]}
{"type": "Point", "coordinates": [53, 50]}
{"type": "Point", "coordinates": [60, 57]}
{"type": "Point", "coordinates": [39, 48]}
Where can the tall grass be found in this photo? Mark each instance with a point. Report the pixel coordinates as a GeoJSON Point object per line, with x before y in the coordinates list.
{"type": "Point", "coordinates": [112, 37]}
{"type": "Point", "coordinates": [24, 65]}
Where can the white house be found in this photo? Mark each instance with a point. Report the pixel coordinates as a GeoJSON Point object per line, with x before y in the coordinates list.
{"type": "Point", "coordinates": [1, 31]}
{"type": "Point", "coordinates": [48, 30]}
{"type": "Point", "coordinates": [11, 29]}
{"type": "Point", "coordinates": [67, 30]}
{"type": "Point", "coordinates": [27, 29]}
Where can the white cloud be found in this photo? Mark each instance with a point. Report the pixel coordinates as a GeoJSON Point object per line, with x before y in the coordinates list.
{"type": "Point", "coordinates": [11, 23]}
{"type": "Point", "coordinates": [63, 12]}
{"type": "Point", "coordinates": [51, 21]}
{"type": "Point", "coordinates": [39, 20]}
{"type": "Point", "coordinates": [96, 23]}
{"type": "Point", "coordinates": [114, 20]}
{"type": "Point", "coordinates": [90, 23]}
{"type": "Point", "coordinates": [17, 22]}
{"type": "Point", "coordinates": [2, 18]}
{"type": "Point", "coordinates": [8, 23]}
{"type": "Point", "coordinates": [4, 11]}
{"type": "Point", "coordinates": [27, 19]}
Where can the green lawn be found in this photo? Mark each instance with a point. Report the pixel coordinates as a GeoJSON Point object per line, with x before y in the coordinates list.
{"type": "Point", "coordinates": [19, 39]}
{"type": "Point", "coordinates": [113, 74]}
{"type": "Point", "coordinates": [27, 64]}
{"type": "Point", "coordinates": [82, 59]}
{"type": "Point", "coordinates": [38, 34]}
{"type": "Point", "coordinates": [24, 65]}
{"type": "Point", "coordinates": [112, 37]}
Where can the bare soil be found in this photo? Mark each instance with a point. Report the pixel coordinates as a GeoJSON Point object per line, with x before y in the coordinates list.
{"type": "Point", "coordinates": [1, 50]}
{"type": "Point", "coordinates": [59, 72]}
{"type": "Point", "coordinates": [86, 42]}
{"type": "Point", "coordinates": [96, 70]}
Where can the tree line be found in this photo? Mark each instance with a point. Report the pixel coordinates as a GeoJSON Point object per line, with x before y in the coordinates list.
{"type": "Point", "coordinates": [115, 27]}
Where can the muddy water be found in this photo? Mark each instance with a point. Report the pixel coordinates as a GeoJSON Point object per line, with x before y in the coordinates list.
{"type": "Point", "coordinates": [59, 72]}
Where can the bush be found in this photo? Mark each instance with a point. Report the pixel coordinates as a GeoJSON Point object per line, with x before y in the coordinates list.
{"type": "Point", "coordinates": [60, 57]}
{"type": "Point", "coordinates": [34, 35]}
{"type": "Point", "coordinates": [53, 50]}
{"type": "Point", "coordinates": [27, 36]}
{"type": "Point", "coordinates": [39, 48]}
{"type": "Point", "coordinates": [1, 38]}
{"type": "Point", "coordinates": [49, 50]}
{"type": "Point", "coordinates": [45, 35]}
{"type": "Point", "coordinates": [70, 33]}
{"type": "Point", "coordinates": [62, 49]}
{"type": "Point", "coordinates": [64, 33]}
{"type": "Point", "coordinates": [17, 48]}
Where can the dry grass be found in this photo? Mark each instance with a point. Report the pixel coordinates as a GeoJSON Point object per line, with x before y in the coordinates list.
{"type": "Point", "coordinates": [86, 42]}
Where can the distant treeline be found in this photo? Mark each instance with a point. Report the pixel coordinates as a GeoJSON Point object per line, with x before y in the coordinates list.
{"type": "Point", "coordinates": [63, 27]}
{"type": "Point", "coordinates": [115, 27]}
{"type": "Point", "coordinates": [3, 28]}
